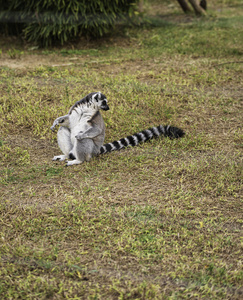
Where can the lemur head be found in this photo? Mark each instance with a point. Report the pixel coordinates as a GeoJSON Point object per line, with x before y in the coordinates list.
{"type": "Point", "coordinates": [100, 100]}
{"type": "Point", "coordinates": [63, 121]}
{"type": "Point", "coordinates": [96, 101]}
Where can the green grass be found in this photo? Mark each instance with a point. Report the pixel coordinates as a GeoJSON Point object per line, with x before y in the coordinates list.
{"type": "Point", "coordinates": [159, 221]}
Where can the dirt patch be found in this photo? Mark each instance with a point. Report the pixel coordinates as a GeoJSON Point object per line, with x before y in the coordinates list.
{"type": "Point", "coordinates": [31, 61]}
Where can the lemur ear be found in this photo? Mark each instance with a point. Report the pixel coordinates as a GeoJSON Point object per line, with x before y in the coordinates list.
{"type": "Point", "coordinates": [97, 96]}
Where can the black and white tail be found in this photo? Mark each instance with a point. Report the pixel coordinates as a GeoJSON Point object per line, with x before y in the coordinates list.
{"type": "Point", "coordinates": [143, 136]}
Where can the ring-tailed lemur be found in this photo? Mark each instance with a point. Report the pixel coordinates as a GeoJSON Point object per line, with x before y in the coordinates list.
{"type": "Point", "coordinates": [82, 131]}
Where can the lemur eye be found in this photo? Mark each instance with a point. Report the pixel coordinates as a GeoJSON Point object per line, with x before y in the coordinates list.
{"type": "Point", "coordinates": [61, 121]}
{"type": "Point", "coordinates": [104, 102]}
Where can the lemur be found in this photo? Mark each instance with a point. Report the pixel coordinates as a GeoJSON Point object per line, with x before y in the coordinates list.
{"type": "Point", "coordinates": [82, 131]}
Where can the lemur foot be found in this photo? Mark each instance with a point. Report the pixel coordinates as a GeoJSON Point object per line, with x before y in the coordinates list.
{"type": "Point", "coordinates": [73, 162]}
{"type": "Point", "coordinates": [59, 157]}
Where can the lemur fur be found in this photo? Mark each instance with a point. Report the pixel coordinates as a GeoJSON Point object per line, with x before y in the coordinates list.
{"type": "Point", "coordinates": [143, 136]}
{"type": "Point", "coordinates": [82, 131]}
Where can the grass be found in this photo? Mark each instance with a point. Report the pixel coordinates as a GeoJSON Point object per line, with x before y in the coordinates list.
{"type": "Point", "coordinates": [159, 221]}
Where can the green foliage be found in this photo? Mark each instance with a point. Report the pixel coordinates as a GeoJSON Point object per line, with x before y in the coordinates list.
{"type": "Point", "coordinates": [53, 20]}
{"type": "Point", "coordinates": [14, 53]}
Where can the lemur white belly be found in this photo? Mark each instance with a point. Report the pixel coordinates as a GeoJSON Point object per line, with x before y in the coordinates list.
{"type": "Point", "coordinates": [81, 127]}
{"type": "Point", "coordinates": [78, 124]}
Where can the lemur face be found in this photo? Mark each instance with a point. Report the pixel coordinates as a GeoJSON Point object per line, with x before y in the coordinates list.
{"type": "Point", "coordinates": [101, 101]}
{"type": "Point", "coordinates": [104, 105]}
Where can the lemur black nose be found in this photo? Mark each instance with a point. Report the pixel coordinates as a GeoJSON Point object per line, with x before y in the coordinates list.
{"type": "Point", "coordinates": [106, 107]}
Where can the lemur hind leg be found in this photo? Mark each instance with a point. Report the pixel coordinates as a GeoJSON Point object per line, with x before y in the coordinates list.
{"type": "Point", "coordinates": [83, 150]}
{"type": "Point", "coordinates": [64, 142]}
{"type": "Point", "coordinates": [88, 157]}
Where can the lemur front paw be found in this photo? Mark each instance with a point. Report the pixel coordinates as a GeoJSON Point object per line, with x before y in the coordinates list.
{"type": "Point", "coordinates": [79, 136]}
{"type": "Point", "coordinates": [59, 157]}
{"type": "Point", "coordinates": [53, 127]}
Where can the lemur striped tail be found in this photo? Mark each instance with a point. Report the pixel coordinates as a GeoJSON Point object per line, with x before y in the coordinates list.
{"type": "Point", "coordinates": [143, 136]}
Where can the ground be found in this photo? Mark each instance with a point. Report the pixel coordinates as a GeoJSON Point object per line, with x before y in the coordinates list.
{"type": "Point", "coordinates": [159, 221]}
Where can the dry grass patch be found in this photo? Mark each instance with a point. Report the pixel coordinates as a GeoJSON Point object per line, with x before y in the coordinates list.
{"type": "Point", "coordinates": [159, 221]}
